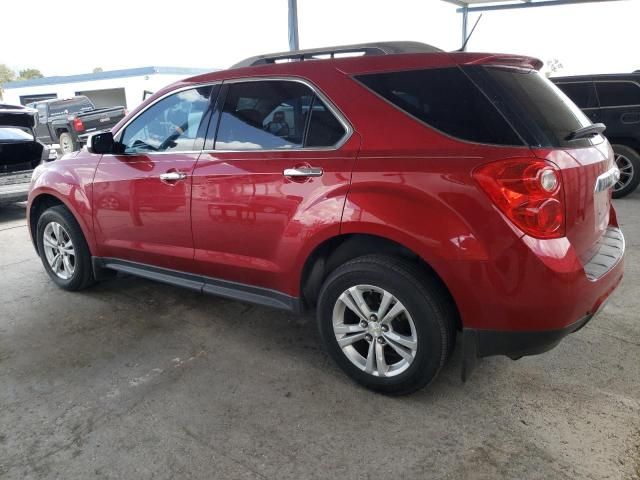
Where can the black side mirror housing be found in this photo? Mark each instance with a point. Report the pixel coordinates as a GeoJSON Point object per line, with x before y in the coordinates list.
{"type": "Point", "coordinates": [101, 143]}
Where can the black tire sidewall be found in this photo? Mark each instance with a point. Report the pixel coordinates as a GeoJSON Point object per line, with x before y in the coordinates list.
{"type": "Point", "coordinates": [82, 273]}
{"type": "Point", "coordinates": [634, 158]}
{"type": "Point", "coordinates": [430, 330]}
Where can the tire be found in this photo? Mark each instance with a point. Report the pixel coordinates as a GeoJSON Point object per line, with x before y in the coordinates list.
{"type": "Point", "coordinates": [67, 143]}
{"type": "Point", "coordinates": [628, 161]}
{"type": "Point", "coordinates": [48, 234]}
{"type": "Point", "coordinates": [428, 321]}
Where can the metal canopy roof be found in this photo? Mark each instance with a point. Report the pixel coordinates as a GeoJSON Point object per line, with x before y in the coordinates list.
{"type": "Point", "coordinates": [465, 7]}
{"type": "Point", "coordinates": [485, 6]}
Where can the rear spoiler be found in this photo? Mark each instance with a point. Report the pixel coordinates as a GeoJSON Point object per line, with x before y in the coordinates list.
{"type": "Point", "coordinates": [14, 116]}
{"type": "Point", "coordinates": [499, 60]}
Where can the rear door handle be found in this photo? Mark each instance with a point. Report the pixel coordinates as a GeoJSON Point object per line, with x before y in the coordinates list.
{"type": "Point", "coordinates": [172, 176]}
{"type": "Point", "coordinates": [303, 172]}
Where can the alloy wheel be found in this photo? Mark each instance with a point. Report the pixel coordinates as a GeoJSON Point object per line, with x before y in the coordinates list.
{"type": "Point", "coordinates": [59, 251]}
{"type": "Point", "coordinates": [375, 331]}
{"type": "Point", "coordinates": [626, 172]}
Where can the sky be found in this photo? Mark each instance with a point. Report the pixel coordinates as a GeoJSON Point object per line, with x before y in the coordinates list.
{"type": "Point", "coordinates": [587, 38]}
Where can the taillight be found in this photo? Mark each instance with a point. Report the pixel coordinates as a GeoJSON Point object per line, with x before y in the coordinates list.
{"type": "Point", "coordinates": [78, 126]}
{"type": "Point", "coordinates": [528, 192]}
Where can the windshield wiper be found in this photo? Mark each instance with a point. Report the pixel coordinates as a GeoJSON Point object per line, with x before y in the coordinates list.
{"type": "Point", "coordinates": [588, 131]}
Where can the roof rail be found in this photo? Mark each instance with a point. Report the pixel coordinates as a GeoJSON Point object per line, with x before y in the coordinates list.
{"type": "Point", "coordinates": [379, 48]}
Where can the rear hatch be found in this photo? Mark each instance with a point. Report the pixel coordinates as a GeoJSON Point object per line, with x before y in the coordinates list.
{"type": "Point", "coordinates": [545, 118]}
{"type": "Point", "coordinates": [19, 151]}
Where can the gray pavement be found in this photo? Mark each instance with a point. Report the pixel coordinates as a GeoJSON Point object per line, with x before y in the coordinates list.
{"type": "Point", "coordinates": [137, 380]}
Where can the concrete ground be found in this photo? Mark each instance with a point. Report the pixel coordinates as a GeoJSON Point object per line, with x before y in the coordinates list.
{"type": "Point", "coordinates": [137, 380]}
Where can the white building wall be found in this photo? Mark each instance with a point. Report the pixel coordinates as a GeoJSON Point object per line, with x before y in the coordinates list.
{"type": "Point", "coordinates": [134, 88]}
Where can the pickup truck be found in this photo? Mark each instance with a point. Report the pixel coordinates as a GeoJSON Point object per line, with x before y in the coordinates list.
{"type": "Point", "coordinates": [20, 152]}
{"type": "Point", "coordinates": [68, 122]}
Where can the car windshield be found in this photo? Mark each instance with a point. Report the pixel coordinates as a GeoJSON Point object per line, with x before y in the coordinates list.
{"type": "Point", "coordinates": [14, 134]}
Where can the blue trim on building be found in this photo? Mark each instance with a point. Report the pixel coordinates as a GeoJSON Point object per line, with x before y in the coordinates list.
{"type": "Point", "coordinates": [88, 77]}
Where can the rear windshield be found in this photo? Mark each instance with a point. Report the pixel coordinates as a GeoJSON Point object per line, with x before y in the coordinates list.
{"type": "Point", "coordinates": [73, 105]}
{"type": "Point", "coordinates": [541, 113]}
{"type": "Point", "coordinates": [445, 99]}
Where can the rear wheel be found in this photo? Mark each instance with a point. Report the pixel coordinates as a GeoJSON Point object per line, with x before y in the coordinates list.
{"type": "Point", "coordinates": [67, 144]}
{"type": "Point", "coordinates": [628, 162]}
{"type": "Point", "coordinates": [63, 249]}
{"type": "Point", "coordinates": [386, 323]}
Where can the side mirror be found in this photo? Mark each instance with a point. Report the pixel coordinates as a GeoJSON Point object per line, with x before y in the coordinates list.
{"type": "Point", "coordinates": [101, 143]}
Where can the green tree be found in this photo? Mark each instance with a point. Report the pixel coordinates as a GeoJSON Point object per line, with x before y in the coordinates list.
{"type": "Point", "coordinates": [6, 75]}
{"type": "Point", "coordinates": [29, 73]}
{"type": "Point", "coordinates": [97, 70]}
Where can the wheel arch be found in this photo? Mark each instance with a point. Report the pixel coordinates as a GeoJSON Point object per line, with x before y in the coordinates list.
{"type": "Point", "coordinates": [47, 199]}
{"type": "Point", "coordinates": [335, 251]}
{"type": "Point", "coordinates": [626, 141]}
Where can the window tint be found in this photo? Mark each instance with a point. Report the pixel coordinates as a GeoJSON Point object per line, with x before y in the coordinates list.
{"type": "Point", "coordinates": [540, 112]}
{"type": "Point", "coordinates": [325, 129]}
{"type": "Point", "coordinates": [614, 94]}
{"type": "Point", "coordinates": [264, 115]}
{"type": "Point", "coordinates": [583, 94]}
{"type": "Point", "coordinates": [169, 125]}
{"type": "Point", "coordinates": [446, 99]}
{"type": "Point", "coordinates": [72, 105]}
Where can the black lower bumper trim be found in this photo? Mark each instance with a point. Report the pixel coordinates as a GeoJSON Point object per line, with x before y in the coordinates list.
{"type": "Point", "coordinates": [477, 343]}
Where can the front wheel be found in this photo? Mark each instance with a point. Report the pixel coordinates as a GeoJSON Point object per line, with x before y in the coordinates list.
{"type": "Point", "coordinates": [63, 249]}
{"type": "Point", "coordinates": [386, 323]}
{"type": "Point", "coordinates": [67, 143]}
{"type": "Point", "coordinates": [628, 162]}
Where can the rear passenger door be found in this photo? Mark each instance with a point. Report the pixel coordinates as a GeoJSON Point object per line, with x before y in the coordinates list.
{"type": "Point", "coordinates": [42, 129]}
{"type": "Point", "coordinates": [619, 107]}
{"type": "Point", "coordinates": [274, 173]}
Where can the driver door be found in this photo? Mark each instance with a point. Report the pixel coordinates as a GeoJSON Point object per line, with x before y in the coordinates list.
{"type": "Point", "coordinates": [142, 196]}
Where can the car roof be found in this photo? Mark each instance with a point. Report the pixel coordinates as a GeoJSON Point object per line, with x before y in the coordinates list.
{"type": "Point", "coordinates": [365, 64]}
{"type": "Point", "coordinates": [635, 76]}
{"type": "Point", "coordinates": [54, 100]}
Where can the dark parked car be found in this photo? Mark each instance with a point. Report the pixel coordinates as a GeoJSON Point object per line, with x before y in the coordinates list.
{"type": "Point", "coordinates": [68, 122]}
{"type": "Point", "coordinates": [20, 152]}
{"type": "Point", "coordinates": [615, 101]}
{"type": "Point", "coordinates": [404, 195]}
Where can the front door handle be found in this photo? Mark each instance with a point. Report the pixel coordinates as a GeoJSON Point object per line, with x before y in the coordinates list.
{"type": "Point", "coordinates": [172, 176]}
{"type": "Point", "coordinates": [303, 172]}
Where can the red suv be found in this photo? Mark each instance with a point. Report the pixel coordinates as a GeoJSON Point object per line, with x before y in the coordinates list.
{"type": "Point", "coordinates": [404, 193]}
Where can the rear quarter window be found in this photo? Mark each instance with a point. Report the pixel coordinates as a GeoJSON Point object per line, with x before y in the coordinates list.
{"type": "Point", "coordinates": [447, 100]}
{"type": "Point", "coordinates": [542, 114]}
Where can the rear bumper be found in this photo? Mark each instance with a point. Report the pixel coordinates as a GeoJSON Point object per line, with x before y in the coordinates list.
{"type": "Point", "coordinates": [477, 344]}
{"type": "Point", "coordinates": [14, 187]}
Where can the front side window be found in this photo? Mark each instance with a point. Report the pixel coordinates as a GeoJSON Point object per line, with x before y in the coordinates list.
{"type": "Point", "coordinates": [618, 94]}
{"type": "Point", "coordinates": [275, 114]}
{"type": "Point", "coordinates": [170, 124]}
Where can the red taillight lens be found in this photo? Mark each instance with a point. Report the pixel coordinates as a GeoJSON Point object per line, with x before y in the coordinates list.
{"type": "Point", "coordinates": [78, 126]}
{"type": "Point", "coordinates": [528, 192]}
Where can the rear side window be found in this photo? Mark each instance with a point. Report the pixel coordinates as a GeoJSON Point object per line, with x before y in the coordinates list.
{"type": "Point", "coordinates": [275, 114]}
{"type": "Point", "coordinates": [324, 128]}
{"type": "Point", "coordinates": [541, 113]}
{"type": "Point", "coordinates": [447, 100]}
{"type": "Point", "coordinates": [583, 94]}
{"type": "Point", "coordinates": [617, 94]}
